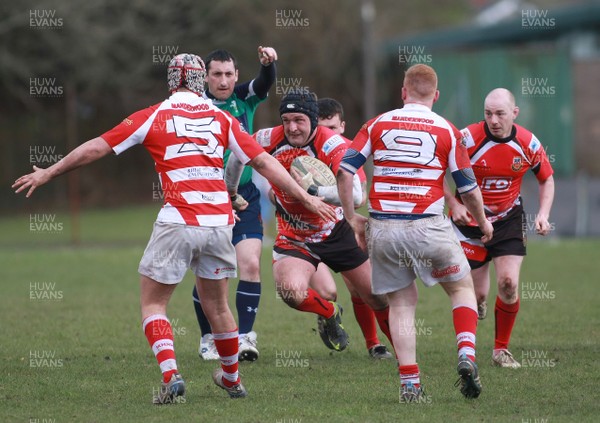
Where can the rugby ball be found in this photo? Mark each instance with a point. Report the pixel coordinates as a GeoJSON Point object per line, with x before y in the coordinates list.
{"type": "Point", "coordinates": [322, 175]}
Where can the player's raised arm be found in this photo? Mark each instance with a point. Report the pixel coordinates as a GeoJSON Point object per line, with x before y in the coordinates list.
{"type": "Point", "coordinates": [86, 153]}
{"type": "Point", "coordinates": [267, 73]}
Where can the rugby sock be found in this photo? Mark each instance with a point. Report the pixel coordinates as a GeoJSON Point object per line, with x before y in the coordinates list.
{"type": "Point", "coordinates": [227, 346]}
{"type": "Point", "coordinates": [247, 298]}
{"type": "Point", "coordinates": [465, 326]}
{"type": "Point", "coordinates": [157, 329]}
{"type": "Point", "coordinates": [506, 314]}
{"type": "Point", "coordinates": [410, 373]}
{"type": "Point", "coordinates": [383, 320]}
{"type": "Point", "coordinates": [314, 303]}
{"type": "Point", "coordinates": [200, 316]}
{"type": "Point", "coordinates": [366, 320]}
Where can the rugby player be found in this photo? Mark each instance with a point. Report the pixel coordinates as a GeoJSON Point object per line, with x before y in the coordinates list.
{"type": "Point", "coordinates": [408, 233]}
{"type": "Point", "coordinates": [193, 228]}
{"type": "Point", "coordinates": [501, 152]}
{"type": "Point", "coordinates": [241, 101]}
{"type": "Point", "coordinates": [305, 239]}
{"type": "Point", "coordinates": [331, 115]}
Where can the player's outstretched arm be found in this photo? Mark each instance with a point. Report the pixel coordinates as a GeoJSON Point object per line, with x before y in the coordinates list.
{"type": "Point", "coordinates": [275, 173]}
{"type": "Point", "coordinates": [86, 153]}
{"type": "Point", "coordinates": [474, 203]}
{"type": "Point", "coordinates": [542, 226]}
{"type": "Point", "coordinates": [267, 73]}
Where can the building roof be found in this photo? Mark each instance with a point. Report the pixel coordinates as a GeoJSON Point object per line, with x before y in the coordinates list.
{"type": "Point", "coordinates": [546, 25]}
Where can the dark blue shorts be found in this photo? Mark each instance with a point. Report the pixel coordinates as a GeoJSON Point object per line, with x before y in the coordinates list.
{"type": "Point", "coordinates": [250, 224]}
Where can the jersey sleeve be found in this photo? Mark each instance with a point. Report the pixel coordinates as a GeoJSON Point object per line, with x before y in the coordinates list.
{"type": "Point", "coordinates": [263, 138]}
{"type": "Point", "coordinates": [332, 150]}
{"type": "Point", "coordinates": [540, 165]}
{"type": "Point", "coordinates": [467, 138]}
{"type": "Point", "coordinates": [459, 163]}
{"type": "Point", "coordinates": [260, 85]}
{"type": "Point", "coordinates": [358, 151]}
{"type": "Point", "coordinates": [131, 131]}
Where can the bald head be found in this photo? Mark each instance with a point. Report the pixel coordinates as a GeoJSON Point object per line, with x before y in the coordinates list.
{"type": "Point", "coordinates": [420, 85]}
{"type": "Point", "coordinates": [500, 112]}
{"type": "Point", "coordinates": [499, 95]}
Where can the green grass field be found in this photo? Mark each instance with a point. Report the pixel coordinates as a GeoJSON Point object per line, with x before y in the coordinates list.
{"type": "Point", "coordinates": [73, 349]}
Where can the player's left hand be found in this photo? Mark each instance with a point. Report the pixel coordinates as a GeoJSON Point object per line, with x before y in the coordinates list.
{"type": "Point", "coordinates": [304, 181]}
{"type": "Point", "coordinates": [32, 180]}
{"type": "Point", "coordinates": [266, 55]}
{"type": "Point", "coordinates": [358, 224]}
{"type": "Point", "coordinates": [542, 226]}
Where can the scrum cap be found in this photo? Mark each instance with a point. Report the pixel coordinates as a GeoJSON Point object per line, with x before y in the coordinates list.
{"type": "Point", "coordinates": [186, 71]}
{"type": "Point", "coordinates": [305, 103]}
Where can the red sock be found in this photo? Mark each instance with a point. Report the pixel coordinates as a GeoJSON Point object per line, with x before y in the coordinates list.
{"type": "Point", "coordinates": [314, 303]}
{"type": "Point", "coordinates": [465, 326]}
{"type": "Point", "coordinates": [383, 319]}
{"type": "Point", "coordinates": [160, 337]}
{"type": "Point", "coordinates": [506, 314]}
{"type": "Point", "coordinates": [410, 373]}
{"type": "Point", "coordinates": [227, 346]}
{"type": "Point", "coordinates": [366, 320]}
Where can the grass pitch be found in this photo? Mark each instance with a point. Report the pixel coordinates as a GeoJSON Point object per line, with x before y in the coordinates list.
{"type": "Point", "coordinates": [73, 349]}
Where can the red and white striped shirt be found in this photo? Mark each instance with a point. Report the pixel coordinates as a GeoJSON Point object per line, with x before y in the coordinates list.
{"type": "Point", "coordinates": [294, 220]}
{"type": "Point", "coordinates": [412, 147]}
{"type": "Point", "coordinates": [186, 136]}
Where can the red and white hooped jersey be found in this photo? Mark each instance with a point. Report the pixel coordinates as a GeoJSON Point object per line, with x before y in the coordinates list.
{"type": "Point", "coordinates": [500, 164]}
{"type": "Point", "coordinates": [412, 148]}
{"type": "Point", "coordinates": [293, 219]}
{"type": "Point", "coordinates": [186, 136]}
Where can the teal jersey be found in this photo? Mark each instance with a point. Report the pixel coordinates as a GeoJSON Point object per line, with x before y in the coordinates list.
{"type": "Point", "coordinates": [242, 110]}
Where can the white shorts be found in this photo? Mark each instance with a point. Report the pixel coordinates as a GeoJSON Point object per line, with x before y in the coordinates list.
{"type": "Point", "coordinates": [401, 250]}
{"type": "Point", "coordinates": [174, 248]}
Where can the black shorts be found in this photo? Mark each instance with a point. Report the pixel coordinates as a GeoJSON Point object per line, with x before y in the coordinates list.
{"type": "Point", "coordinates": [510, 239]}
{"type": "Point", "coordinates": [250, 224]}
{"type": "Point", "coordinates": [339, 251]}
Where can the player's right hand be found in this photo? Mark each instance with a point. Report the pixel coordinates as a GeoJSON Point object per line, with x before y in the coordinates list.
{"type": "Point", "coordinates": [488, 231]}
{"type": "Point", "coordinates": [238, 203]}
{"type": "Point", "coordinates": [266, 55]}
{"type": "Point", "coordinates": [32, 180]}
